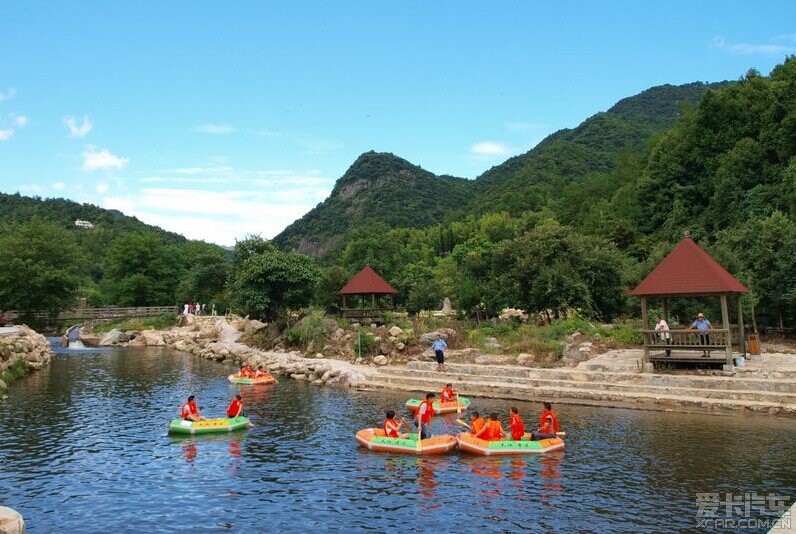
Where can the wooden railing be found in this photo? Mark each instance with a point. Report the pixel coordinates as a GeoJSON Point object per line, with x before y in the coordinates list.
{"type": "Point", "coordinates": [362, 313]}
{"type": "Point", "coordinates": [688, 339]}
{"type": "Point", "coordinates": [111, 312]}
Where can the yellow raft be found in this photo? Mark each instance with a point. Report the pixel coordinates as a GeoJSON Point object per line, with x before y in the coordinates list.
{"type": "Point", "coordinates": [472, 444]}
{"type": "Point", "coordinates": [374, 439]}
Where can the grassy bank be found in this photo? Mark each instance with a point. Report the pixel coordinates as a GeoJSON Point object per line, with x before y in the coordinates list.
{"type": "Point", "coordinates": [159, 322]}
{"type": "Point", "coordinates": [13, 373]}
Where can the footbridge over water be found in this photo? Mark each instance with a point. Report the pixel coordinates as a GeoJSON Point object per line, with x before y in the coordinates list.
{"type": "Point", "coordinates": [91, 314]}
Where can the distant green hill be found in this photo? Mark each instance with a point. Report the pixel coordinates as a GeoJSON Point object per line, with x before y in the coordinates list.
{"type": "Point", "coordinates": [385, 189]}
{"type": "Point", "coordinates": [377, 188]}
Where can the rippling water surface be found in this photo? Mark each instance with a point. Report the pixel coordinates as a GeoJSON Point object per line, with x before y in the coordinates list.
{"type": "Point", "coordinates": [83, 447]}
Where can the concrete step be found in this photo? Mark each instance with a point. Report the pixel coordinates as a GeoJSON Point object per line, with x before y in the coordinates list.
{"type": "Point", "coordinates": [709, 393]}
{"type": "Point", "coordinates": [779, 385]}
{"type": "Point", "coordinates": [577, 395]}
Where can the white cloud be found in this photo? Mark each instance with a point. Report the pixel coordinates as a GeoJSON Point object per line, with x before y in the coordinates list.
{"type": "Point", "coordinates": [215, 129]}
{"type": "Point", "coordinates": [78, 129]}
{"type": "Point", "coordinates": [101, 159]}
{"type": "Point", "coordinates": [772, 48]}
{"type": "Point", "coordinates": [20, 120]}
{"type": "Point", "coordinates": [102, 187]}
{"type": "Point", "coordinates": [215, 216]}
{"type": "Point", "coordinates": [59, 186]}
{"type": "Point", "coordinates": [489, 148]}
{"type": "Point", "coordinates": [266, 133]}
{"type": "Point", "coordinates": [5, 134]}
{"type": "Point", "coordinates": [8, 95]}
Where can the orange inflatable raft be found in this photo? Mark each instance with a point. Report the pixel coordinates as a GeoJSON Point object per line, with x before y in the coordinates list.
{"type": "Point", "coordinates": [261, 380]}
{"type": "Point", "coordinates": [470, 443]}
{"type": "Point", "coordinates": [374, 439]}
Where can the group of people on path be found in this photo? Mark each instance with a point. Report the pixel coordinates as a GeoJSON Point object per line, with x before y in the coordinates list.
{"type": "Point", "coordinates": [488, 429]}
{"type": "Point", "coordinates": [190, 409]}
{"type": "Point", "coordinates": [194, 308]}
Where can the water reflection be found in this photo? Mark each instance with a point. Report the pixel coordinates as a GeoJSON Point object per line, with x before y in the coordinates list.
{"type": "Point", "coordinates": [89, 432]}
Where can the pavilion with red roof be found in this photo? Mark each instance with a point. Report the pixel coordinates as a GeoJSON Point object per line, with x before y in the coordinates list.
{"type": "Point", "coordinates": [367, 287]}
{"type": "Point", "coordinates": [689, 271]}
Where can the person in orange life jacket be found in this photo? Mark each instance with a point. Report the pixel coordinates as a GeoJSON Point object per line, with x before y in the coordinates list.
{"type": "Point", "coordinates": [493, 430]}
{"type": "Point", "coordinates": [190, 411]}
{"type": "Point", "coordinates": [424, 414]}
{"type": "Point", "coordinates": [516, 425]}
{"type": "Point", "coordinates": [391, 426]}
{"type": "Point", "coordinates": [476, 423]}
{"type": "Point", "coordinates": [448, 394]}
{"type": "Point", "coordinates": [548, 423]}
{"type": "Point", "coordinates": [235, 408]}
{"type": "Point", "coordinates": [259, 372]}
{"type": "Point", "coordinates": [243, 373]}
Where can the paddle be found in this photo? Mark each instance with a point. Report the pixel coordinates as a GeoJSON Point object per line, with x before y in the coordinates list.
{"type": "Point", "coordinates": [458, 406]}
{"type": "Point", "coordinates": [419, 430]}
{"type": "Point", "coordinates": [463, 423]}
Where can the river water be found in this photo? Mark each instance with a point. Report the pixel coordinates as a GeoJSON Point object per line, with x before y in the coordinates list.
{"type": "Point", "coordinates": [83, 448]}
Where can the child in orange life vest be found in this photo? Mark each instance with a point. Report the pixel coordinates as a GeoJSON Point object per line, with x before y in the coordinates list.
{"type": "Point", "coordinates": [476, 423]}
{"type": "Point", "coordinates": [516, 425]}
{"type": "Point", "coordinates": [548, 423]}
{"type": "Point", "coordinates": [493, 430]}
{"type": "Point", "coordinates": [424, 414]}
{"type": "Point", "coordinates": [391, 426]}
{"type": "Point", "coordinates": [190, 411]}
{"type": "Point", "coordinates": [259, 372]}
{"type": "Point", "coordinates": [235, 408]}
{"type": "Point", "coordinates": [448, 394]}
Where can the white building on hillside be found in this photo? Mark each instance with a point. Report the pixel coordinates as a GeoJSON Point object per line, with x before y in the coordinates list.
{"type": "Point", "coordinates": [83, 224]}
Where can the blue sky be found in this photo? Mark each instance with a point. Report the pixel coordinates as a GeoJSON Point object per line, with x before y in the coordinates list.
{"type": "Point", "coordinates": [220, 119]}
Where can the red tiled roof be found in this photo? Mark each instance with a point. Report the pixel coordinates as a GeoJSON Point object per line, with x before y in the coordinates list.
{"type": "Point", "coordinates": [365, 282]}
{"type": "Point", "coordinates": [688, 270]}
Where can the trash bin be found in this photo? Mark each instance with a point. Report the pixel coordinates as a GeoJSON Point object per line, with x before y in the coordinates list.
{"type": "Point", "coordinates": [754, 344]}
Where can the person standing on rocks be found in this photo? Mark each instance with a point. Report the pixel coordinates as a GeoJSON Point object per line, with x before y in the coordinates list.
{"type": "Point", "coordinates": [439, 346]}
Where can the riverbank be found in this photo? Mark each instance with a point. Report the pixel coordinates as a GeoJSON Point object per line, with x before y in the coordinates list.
{"type": "Point", "coordinates": [612, 379]}
{"type": "Point", "coordinates": [21, 351]}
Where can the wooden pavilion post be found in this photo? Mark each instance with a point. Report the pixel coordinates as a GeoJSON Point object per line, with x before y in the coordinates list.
{"type": "Point", "coordinates": [741, 328]}
{"type": "Point", "coordinates": [666, 310]}
{"type": "Point", "coordinates": [725, 319]}
{"type": "Point", "coordinates": [344, 306]}
{"type": "Point", "coordinates": [373, 301]}
{"type": "Point", "coordinates": [645, 326]}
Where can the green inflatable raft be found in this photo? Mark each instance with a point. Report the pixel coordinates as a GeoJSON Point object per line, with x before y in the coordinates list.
{"type": "Point", "coordinates": [208, 426]}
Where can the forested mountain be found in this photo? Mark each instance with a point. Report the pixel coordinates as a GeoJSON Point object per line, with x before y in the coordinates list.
{"type": "Point", "coordinates": [385, 189]}
{"type": "Point", "coordinates": [377, 188]}
{"type": "Point", "coordinates": [121, 260]}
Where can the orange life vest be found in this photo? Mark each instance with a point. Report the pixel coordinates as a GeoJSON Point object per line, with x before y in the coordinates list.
{"type": "Point", "coordinates": [548, 422]}
{"type": "Point", "coordinates": [429, 413]}
{"type": "Point", "coordinates": [234, 406]}
{"type": "Point", "coordinates": [447, 395]}
{"type": "Point", "coordinates": [390, 432]}
{"type": "Point", "coordinates": [517, 427]}
{"type": "Point", "coordinates": [493, 432]}
{"type": "Point", "coordinates": [189, 408]}
{"type": "Point", "coordinates": [477, 425]}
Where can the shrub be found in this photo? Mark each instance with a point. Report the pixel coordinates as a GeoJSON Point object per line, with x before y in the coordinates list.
{"type": "Point", "coordinates": [311, 331]}
{"type": "Point", "coordinates": [364, 343]}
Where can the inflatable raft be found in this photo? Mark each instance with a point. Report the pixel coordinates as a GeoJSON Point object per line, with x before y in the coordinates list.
{"type": "Point", "coordinates": [374, 439]}
{"type": "Point", "coordinates": [263, 380]}
{"type": "Point", "coordinates": [441, 407]}
{"type": "Point", "coordinates": [207, 426]}
{"type": "Point", "coordinates": [470, 443]}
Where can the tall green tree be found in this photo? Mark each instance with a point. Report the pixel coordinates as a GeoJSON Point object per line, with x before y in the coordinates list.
{"type": "Point", "coordinates": [268, 283]}
{"type": "Point", "coordinates": [141, 270]}
{"type": "Point", "coordinates": [40, 266]}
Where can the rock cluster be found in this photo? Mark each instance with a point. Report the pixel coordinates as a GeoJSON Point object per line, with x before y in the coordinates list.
{"type": "Point", "coordinates": [26, 345]}
{"type": "Point", "coordinates": [11, 522]}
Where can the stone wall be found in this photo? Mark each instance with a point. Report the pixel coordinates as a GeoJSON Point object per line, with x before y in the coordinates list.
{"type": "Point", "coordinates": [21, 343]}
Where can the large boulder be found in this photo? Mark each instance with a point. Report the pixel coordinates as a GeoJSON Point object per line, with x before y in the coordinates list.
{"type": "Point", "coordinates": [11, 522]}
{"type": "Point", "coordinates": [112, 338]}
{"type": "Point", "coordinates": [153, 339]}
{"type": "Point", "coordinates": [526, 359]}
{"type": "Point", "coordinates": [89, 339]}
{"type": "Point", "coordinates": [444, 333]}
{"type": "Point", "coordinates": [380, 360]}
{"type": "Point", "coordinates": [396, 331]}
